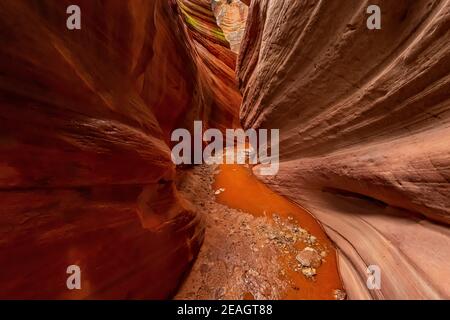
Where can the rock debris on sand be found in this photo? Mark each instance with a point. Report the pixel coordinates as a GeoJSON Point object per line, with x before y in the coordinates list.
{"type": "Point", "coordinates": [240, 256]}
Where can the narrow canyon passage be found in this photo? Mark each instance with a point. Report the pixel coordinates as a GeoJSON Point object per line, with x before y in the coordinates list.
{"type": "Point", "coordinates": [89, 119]}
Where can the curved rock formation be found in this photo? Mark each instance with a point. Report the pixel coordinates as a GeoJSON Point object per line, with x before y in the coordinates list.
{"type": "Point", "coordinates": [86, 176]}
{"type": "Point", "coordinates": [85, 169]}
{"type": "Point", "coordinates": [364, 117]}
{"type": "Point", "coordinates": [215, 62]}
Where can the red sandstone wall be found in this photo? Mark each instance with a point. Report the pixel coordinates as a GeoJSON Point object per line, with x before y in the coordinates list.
{"type": "Point", "coordinates": [85, 170]}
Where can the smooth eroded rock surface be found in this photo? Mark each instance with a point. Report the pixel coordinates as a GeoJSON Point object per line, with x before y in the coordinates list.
{"type": "Point", "coordinates": [364, 119]}
{"type": "Point", "coordinates": [85, 169]}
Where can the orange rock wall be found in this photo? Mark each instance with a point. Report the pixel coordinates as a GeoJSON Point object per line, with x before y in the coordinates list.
{"type": "Point", "coordinates": [215, 62]}
{"type": "Point", "coordinates": [85, 169]}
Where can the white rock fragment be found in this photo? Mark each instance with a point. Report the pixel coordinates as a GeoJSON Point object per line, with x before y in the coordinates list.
{"type": "Point", "coordinates": [309, 257]}
{"type": "Point", "coordinates": [219, 191]}
{"type": "Point", "coordinates": [309, 272]}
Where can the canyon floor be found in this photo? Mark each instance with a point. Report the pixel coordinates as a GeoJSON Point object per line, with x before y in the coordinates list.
{"type": "Point", "coordinates": [258, 245]}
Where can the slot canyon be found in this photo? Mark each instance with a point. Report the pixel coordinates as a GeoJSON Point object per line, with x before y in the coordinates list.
{"type": "Point", "coordinates": [87, 178]}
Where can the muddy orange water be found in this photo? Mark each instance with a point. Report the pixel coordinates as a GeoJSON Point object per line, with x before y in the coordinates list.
{"type": "Point", "coordinates": [245, 192]}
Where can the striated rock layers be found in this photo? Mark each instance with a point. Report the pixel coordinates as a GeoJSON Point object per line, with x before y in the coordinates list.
{"type": "Point", "coordinates": [216, 100]}
{"type": "Point", "coordinates": [365, 125]}
{"type": "Point", "coordinates": [85, 169]}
